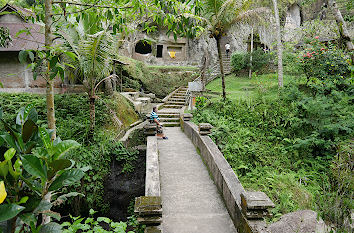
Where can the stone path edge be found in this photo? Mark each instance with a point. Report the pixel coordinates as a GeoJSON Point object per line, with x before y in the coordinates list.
{"type": "Point", "coordinates": [224, 177]}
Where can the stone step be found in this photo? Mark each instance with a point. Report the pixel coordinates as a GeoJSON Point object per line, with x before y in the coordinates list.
{"type": "Point", "coordinates": [173, 106]}
{"type": "Point", "coordinates": [171, 124]}
{"type": "Point", "coordinates": [177, 99]}
{"type": "Point", "coordinates": [169, 119]}
{"type": "Point", "coordinates": [168, 115]}
{"type": "Point", "coordinates": [175, 102]}
{"type": "Point", "coordinates": [178, 95]}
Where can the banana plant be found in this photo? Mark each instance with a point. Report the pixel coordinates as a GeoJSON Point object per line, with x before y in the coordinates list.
{"type": "Point", "coordinates": [33, 168]}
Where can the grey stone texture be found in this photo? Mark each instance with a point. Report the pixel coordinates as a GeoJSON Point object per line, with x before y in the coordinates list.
{"type": "Point", "coordinates": [303, 221]}
{"type": "Point", "coordinates": [152, 180]}
{"type": "Point", "coordinates": [190, 200]}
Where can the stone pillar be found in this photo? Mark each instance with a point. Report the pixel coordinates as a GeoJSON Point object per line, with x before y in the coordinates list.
{"type": "Point", "coordinates": [256, 205]}
{"type": "Point", "coordinates": [205, 128]}
{"type": "Point", "coordinates": [187, 116]}
{"type": "Point", "coordinates": [150, 129]}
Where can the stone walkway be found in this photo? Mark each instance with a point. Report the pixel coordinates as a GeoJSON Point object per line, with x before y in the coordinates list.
{"type": "Point", "coordinates": [190, 200]}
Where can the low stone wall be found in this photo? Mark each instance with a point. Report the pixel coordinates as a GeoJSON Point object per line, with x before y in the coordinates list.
{"type": "Point", "coordinates": [152, 180]}
{"type": "Point", "coordinates": [224, 177]}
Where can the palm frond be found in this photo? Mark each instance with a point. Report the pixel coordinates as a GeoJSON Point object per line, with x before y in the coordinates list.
{"type": "Point", "coordinates": [97, 52]}
{"type": "Point", "coordinates": [255, 16]}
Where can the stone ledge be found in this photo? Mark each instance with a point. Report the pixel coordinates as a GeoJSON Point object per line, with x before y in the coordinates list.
{"type": "Point", "coordinates": [152, 180]}
{"type": "Point", "coordinates": [225, 179]}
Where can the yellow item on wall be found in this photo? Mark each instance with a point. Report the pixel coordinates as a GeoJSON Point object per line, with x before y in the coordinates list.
{"type": "Point", "coordinates": [172, 54]}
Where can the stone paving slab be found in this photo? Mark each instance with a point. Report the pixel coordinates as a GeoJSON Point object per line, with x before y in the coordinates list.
{"type": "Point", "coordinates": [190, 200]}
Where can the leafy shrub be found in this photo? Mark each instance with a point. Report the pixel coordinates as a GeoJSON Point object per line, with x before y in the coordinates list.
{"type": "Point", "coordinates": [238, 61]}
{"type": "Point", "coordinates": [285, 146]}
{"type": "Point", "coordinates": [72, 119]}
{"type": "Point", "coordinates": [200, 102]}
{"type": "Point", "coordinates": [291, 63]}
{"type": "Point", "coordinates": [101, 224]}
{"type": "Point", "coordinates": [34, 170]}
{"type": "Point", "coordinates": [260, 60]}
{"type": "Point", "coordinates": [324, 62]}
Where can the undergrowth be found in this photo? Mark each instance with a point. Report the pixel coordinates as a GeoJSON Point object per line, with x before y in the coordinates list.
{"type": "Point", "coordinates": [113, 115]}
{"type": "Point", "coordinates": [296, 147]}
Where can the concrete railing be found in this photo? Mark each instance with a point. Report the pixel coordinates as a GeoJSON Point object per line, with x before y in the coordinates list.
{"type": "Point", "coordinates": [225, 179]}
{"type": "Point", "coordinates": [148, 208]}
{"type": "Point", "coordinates": [152, 180]}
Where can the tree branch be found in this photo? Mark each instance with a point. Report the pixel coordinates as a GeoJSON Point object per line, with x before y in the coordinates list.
{"type": "Point", "coordinates": [90, 5]}
{"type": "Point", "coordinates": [111, 76]}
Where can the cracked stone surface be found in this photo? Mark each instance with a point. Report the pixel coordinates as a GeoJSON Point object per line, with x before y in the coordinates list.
{"type": "Point", "coordinates": [190, 200]}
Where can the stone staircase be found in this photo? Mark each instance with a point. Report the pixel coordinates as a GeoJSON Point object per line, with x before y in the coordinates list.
{"type": "Point", "coordinates": [169, 111]}
{"type": "Point", "coordinates": [227, 63]}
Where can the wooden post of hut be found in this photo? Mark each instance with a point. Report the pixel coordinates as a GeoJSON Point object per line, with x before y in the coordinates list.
{"type": "Point", "coordinates": [119, 65]}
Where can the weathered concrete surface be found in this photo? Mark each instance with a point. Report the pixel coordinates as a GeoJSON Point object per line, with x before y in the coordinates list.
{"type": "Point", "coordinates": [152, 184]}
{"type": "Point", "coordinates": [190, 200]}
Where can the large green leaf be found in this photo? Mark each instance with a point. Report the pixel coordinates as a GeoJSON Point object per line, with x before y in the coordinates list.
{"type": "Point", "coordinates": [10, 141]}
{"type": "Point", "coordinates": [43, 133]}
{"type": "Point", "coordinates": [64, 146]}
{"type": "Point", "coordinates": [24, 114]}
{"type": "Point", "coordinates": [34, 166]}
{"type": "Point", "coordinates": [4, 169]}
{"type": "Point", "coordinates": [28, 129]}
{"type": "Point", "coordinates": [51, 227]}
{"type": "Point", "coordinates": [0, 113]}
{"type": "Point", "coordinates": [8, 211]}
{"type": "Point", "coordinates": [68, 177]}
{"type": "Point", "coordinates": [58, 165]}
{"type": "Point", "coordinates": [9, 154]}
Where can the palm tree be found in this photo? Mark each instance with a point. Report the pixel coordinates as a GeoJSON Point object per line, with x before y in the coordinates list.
{"type": "Point", "coordinates": [279, 45]}
{"type": "Point", "coordinates": [91, 49]}
{"type": "Point", "coordinates": [220, 15]}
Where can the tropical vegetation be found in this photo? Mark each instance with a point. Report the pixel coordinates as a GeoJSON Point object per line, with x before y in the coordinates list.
{"type": "Point", "coordinates": [303, 158]}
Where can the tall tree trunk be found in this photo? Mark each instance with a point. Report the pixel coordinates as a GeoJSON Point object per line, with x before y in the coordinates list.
{"type": "Point", "coordinates": [342, 27]}
{"type": "Point", "coordinates": [250, 71]}
{"type": "Point", "coordinates": [279, 45]}
{"type": "Point", "coordinates": [50, 106]}
{"type": "Point", "coordinates": [50, 83]}
{"type": "Point", "coordinates": [203, 70]}
{"type": "Point", "coordinates": [92, 99]}
{"type": "Point", "coordinates": [221, 67]}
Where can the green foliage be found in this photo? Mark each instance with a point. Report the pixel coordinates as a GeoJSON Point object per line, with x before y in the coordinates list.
{"type": "Point", "coordinates": [90, 224]}
{"type": "Point", "coordinates": [291, 63]}
{"type": "Point", "coordinates": [200, 102]}
{"type": "Point", "coordinates": [324, 63]}
{"type": "Point", "coordinates": [73, 122]}
{"type": "Point", "coordinates": [128, 156]}
{"type": "Point", "coordinates": [260, 60]}
{"type": "Point", "coordinates": [32, 168]}
{"type": "Point", "coordinates": [238, 61]}
{"type": "Point", "coordinates": [285, 146]}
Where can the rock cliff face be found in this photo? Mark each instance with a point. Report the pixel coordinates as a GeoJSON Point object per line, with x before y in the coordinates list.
{"type": "Point", "coordinates": [299, 21]}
